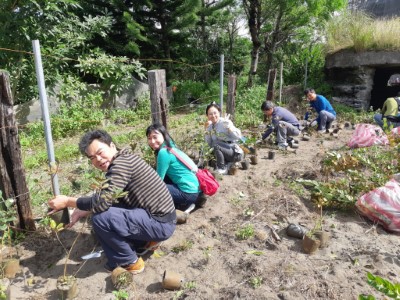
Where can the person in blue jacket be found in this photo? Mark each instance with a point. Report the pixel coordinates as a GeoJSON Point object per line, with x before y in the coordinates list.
{"type": "Point", "coordinates": [326, 113]}
{"type": "Point", "coordinates": [181, 182]}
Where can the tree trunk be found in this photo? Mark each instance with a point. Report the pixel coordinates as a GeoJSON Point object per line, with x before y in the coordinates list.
{"type": "Point", "coordinates": [12, 173]}
{"type": "Point", "coordinates": [253, 10]}
{"type": "Point", "coordinates": [253, 65]}
{"type": "Point", "coordinates": [204, 38]}
{"type": "Point", "coordinates": [272, 46]}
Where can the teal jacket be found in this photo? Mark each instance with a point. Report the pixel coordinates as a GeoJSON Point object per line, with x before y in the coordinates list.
{"type": "Point", "coordinates": [168, 164]}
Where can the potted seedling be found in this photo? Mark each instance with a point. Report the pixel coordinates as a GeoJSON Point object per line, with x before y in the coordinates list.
{"type": "Point", "coordinates": [66, 284]}
{"type": "Point", "coordinates": [310, 242]}
{"type": "Point", "coordinates": [233, 169]}
{"type": "Point", "coordinates": [121, 278]}
{"type": "Point", "coordinates": [245, 164]}
{"type": "Point", "coordinates": [315, 238]}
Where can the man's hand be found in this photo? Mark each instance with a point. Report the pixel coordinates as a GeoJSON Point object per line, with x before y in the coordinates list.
{"type": "Point", "coordinates": [259, 141]}
{"type": "Point", "coordinates": [61, 202]}
{"type": "Point", "coordinates": [76, 215]}
{"type": "Point", "coordinates": [58, 203]}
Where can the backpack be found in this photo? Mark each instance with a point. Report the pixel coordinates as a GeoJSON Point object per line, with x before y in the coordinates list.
{"type": "Point", "coordinates": [207, 182]}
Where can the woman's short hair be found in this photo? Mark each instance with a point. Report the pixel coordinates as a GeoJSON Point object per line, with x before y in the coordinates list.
{"type": "Point", "coordinates": [213, 104]}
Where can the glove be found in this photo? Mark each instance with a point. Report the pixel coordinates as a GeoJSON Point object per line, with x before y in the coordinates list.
{"type": "Point", "coordinates": [259, 142]}
{"type": "Point", "coordinates": [314, 123]}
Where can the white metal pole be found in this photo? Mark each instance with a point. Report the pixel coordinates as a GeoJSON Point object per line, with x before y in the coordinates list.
{"type": "Point", "coordinates": [280, 82]}
{"type": "Point", "coordinates": [221, 82]}
{"type": "Point", "coordinates": [45, 115]}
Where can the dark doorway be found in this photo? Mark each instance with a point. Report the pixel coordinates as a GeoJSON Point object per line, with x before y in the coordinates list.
{"type": "Point", "coordinates": [380, 90]}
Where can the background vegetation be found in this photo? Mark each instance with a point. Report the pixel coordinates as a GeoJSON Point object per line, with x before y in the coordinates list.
{"type": "Point", "coordinates": [107, 43]}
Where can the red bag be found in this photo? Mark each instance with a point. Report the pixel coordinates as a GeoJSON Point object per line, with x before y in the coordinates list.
{"type": "Point", "coordinates": [207, 182]}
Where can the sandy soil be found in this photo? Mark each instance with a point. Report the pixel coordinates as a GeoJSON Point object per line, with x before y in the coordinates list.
{"type": "Point", "coordinates": [215, 264]}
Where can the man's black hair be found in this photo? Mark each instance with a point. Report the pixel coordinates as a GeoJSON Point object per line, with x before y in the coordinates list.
{"type": "Point", "coordinates": [309, 90]}
{"type": "Point", "coordinates": [267, 105]}
{"type": "Point", "coordinates": [90, 136]}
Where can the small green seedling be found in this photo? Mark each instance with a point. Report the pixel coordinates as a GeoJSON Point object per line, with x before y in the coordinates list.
{"type": "Point", "coordinates": [121, 295]}
{"type": "Point", "coordinates": [245, 232]}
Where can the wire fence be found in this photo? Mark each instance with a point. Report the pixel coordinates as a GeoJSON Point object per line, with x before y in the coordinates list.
{"type": "Point", "coordinates": [169, 109]}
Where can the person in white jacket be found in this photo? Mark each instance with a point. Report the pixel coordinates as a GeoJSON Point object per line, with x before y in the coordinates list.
{"type": "Point", "coordinates": [223, 137]}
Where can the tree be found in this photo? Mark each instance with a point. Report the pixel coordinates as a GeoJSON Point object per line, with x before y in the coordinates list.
{"type": "Point", "coordinates": [290, 17]}
{"type": "Point", "coordinates": [125, 32]}
{"type": "Point", "coordinates": [254, 13]}
{"type": "Point", "coordinates": [65, 45]}
{"type": "Point", "coordinates": [210, 11]}
{"type": "Point", "coordinates": [166, 27]}
{"type": "Point", "coordinates": [272, 23]}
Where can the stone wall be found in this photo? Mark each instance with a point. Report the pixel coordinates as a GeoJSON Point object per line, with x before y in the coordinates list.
{"type": "Point", "coordinates": [31, 111]}
{"type": "Point", "coordinates": [351, 74]}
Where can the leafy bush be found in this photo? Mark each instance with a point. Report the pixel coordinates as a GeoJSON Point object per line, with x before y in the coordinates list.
{"type": "Point", "coordinates": [350, 114]}
{"type": "Point", "coordinates": [357, 172]}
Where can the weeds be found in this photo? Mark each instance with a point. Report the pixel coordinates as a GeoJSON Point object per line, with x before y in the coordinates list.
{"type": "Point", "coordinates": [191, 285]}
{"type": "Point", "coordinates": [256, 282]}
{"type": "Point", "coordinates": [183, 246]}
{"type": "Point", "coordinates": [245, 232]}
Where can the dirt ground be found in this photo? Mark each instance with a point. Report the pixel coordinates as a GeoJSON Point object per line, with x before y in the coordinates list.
{"type": "Point", "coordinates": [215, 264]}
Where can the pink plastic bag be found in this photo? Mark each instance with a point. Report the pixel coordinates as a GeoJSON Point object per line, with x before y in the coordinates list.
{"type": "Point", "coordinates": [382, 205]}
{"type": "Point", "coordinates": [395, 131]}
{"type": "Point", "coordinates": [366, 135]}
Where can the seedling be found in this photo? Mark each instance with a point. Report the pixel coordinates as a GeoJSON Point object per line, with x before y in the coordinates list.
{"type": "Point", "coordinates": [121, 295]}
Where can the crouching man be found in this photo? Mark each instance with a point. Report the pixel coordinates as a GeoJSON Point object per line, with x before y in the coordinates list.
{"type": "Point", "coordinates": [132, 212]}
{"type": "Point", "coordinates": [283, 122]}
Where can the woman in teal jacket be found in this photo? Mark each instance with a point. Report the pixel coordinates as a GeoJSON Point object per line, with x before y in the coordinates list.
{"type": "Point", "coordinates": [181, 182]}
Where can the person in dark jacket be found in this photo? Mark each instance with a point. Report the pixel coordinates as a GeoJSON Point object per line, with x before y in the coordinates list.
{"type": "Point", "coordinates": [133, 210]}
{"type": "Point", "coordinates": [283, 123]}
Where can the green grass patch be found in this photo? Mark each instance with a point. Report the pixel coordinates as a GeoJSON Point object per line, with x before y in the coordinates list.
{"type": "Point", "coordinates": [360, 32]}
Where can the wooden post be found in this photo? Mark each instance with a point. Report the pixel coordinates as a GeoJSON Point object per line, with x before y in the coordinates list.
{"type": "Point", "coordinates": [12, 174]}
{"type": "Point", "coordinates": [230, 102]}
{"type": "Point", "coordinates": [271, 84]}
{"type": "Point", "coordinates": [158, 96]}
